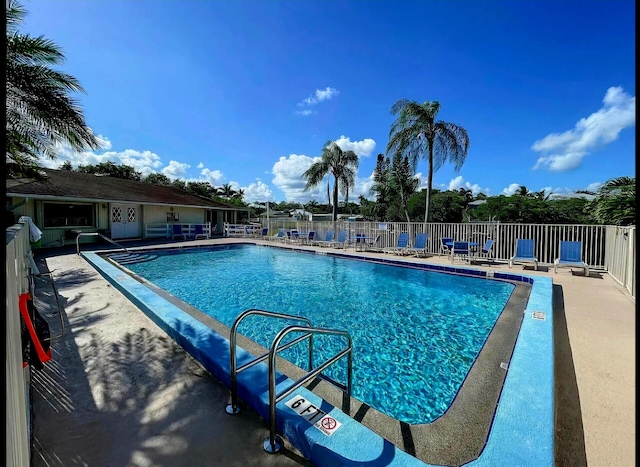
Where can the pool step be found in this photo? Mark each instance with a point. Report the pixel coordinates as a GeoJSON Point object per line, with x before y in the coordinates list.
{"type": "Point", "coordinates": [132, 258]}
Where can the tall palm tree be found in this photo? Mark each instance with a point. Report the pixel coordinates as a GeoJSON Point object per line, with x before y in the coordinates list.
{"type": "Point", "coordinates": [333, 161]}
{"type": "Point", "coordinates": [417, 135]}
{"type": "Point", "coordinates": [40, 113]}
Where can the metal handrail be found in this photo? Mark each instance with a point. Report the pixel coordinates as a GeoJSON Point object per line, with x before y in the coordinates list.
{"type": "Point", "coordinates": [93, 234]}
{"type": "Point", "coordinates": [274, 443]}
{"type": "Point", "coordinates": [233, 408]}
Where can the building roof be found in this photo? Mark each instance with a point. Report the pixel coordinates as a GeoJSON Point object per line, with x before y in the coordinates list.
{"type": "Point", "coordinates": [69, 185]}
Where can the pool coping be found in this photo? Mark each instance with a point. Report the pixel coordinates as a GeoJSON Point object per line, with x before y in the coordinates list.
{"type": "Point", "coordinates": [522, 429]}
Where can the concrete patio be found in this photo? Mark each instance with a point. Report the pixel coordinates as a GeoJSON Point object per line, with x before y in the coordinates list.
{"type": "Point", "coordinates": [120, 392]}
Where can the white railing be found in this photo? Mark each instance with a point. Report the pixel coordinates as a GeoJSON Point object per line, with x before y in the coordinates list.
{"type": "Point", "coordinates": [547, 237]}
{"type": "Point", "coordinates": [17, 378]}
{"type": "Point", "coordinates": [242, 230]}
{"type": "Point", "coordinates": [620, 256]}
{"type": "Point", "coordinates": [161, 230]}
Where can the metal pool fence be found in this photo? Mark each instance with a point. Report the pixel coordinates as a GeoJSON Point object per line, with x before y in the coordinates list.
{"type": "Point", "coordinates": [609, 248]}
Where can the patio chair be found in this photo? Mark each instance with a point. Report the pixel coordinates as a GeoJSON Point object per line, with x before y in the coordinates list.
{"type": "Point", "coordinates": [374, 245]}
{"type": "Point", "coordinates": [444, 247]}
{"type": "Point", "coordinates": [525, 253]}
{"type": "Point", "coordinates": [280, 236]}
{"type": "Point", "coordinates": [308, 240]}
{"type": "Point", "coordinates": [264, 233]}
{"type": "Point", "coordinates": [177, 232]}
{"type": "Point", "coordinates": [419, 247]}
{"type": "Point", "coordinates": [199, 232]}
{"type": "Point", "coordinates": [460, 249]}
{"type": "Point", "coordinates": [570, 257]}
{"type": "Point", "coordinates": [401, 245]}
{"type": "Point", "coordinates": [341, 241]}
{"type": "Point", "coordinates": [327, 240]}
{"type": "Point", "coordinates": [486, 249]}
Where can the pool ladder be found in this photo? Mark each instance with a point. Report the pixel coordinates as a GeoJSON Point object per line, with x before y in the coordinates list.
{"type": "Point", "coordinates": [273, 443]}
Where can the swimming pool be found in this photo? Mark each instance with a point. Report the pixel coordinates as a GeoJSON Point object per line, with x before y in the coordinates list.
{"type": "Point", "coordinates": [415, 333]}
{"type": "Point", "coordinates": [503, 413]}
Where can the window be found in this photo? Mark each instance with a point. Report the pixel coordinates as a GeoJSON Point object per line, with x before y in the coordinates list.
{"type": "Point", "coordinates": [68, 215]}
{"type": "Point", "coordinates": [173, 217]}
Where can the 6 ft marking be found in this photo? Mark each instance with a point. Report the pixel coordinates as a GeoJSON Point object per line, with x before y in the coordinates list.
{"type": "Point", "coordinates": [318, 418]}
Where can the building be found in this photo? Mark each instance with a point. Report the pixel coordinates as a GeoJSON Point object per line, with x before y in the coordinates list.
{"type": "Point", "coordinates": [67, 202]}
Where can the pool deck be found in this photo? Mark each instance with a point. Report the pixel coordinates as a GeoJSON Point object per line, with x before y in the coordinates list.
{"type": "Point", "coordinates": [120, 392]}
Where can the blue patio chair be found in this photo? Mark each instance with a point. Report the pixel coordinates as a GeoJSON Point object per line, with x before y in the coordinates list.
{"type": "Point", "coordinates": [327, 239]}
{"type": "Point", "coordinates": [310, 236]}
{"type": "Point", "coordinates": [341, 240]}
{"type": "Point", "coordinates": [419, 247]}
{"type": "Point", "coordinates": [264, 233]}
{"type": "Point", "coordinates": [401, 245]}
{"type": "Point", "coordinates": [486, 249]}
{"type": "Point", "coordinates": [279, 236]}
{"type": "Point", "coordinates": [525, 253]}
{"type": "Point", "coordinates": [570, 256]}
{"type": "Point", "coordinates": [199, 232]}
{"type": "Point", "coordinates": [460, 249]}
{"type": "Point", "coordinates": [177, 232]}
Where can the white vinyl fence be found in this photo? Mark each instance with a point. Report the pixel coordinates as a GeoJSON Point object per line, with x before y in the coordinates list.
{"type": "Point", "coordinates": [547, 237]}
{"type": "Point", "coordinates": [620, 256]}
{"type": "Point", "coordinates": [17, 378]}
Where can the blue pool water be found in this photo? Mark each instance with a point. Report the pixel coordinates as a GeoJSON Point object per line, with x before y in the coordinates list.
{"type": "Point", "coordinates": [415, 333]}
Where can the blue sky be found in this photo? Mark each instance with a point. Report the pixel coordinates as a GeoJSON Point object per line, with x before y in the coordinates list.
{"type": "Point", "coordinates": [247, 92]}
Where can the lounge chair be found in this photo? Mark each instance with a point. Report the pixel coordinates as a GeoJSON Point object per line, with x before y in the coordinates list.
{"type": "Point", "coordinates": [279, 236]}
{"type": "Point", "coordinates": [341, 241]}
{"type": "Point", "coordinates": [327, 240]}
{"type": "Point", "coordinates": [419, 247]}
{"type": "Point", "coordinates": [444, 248]}
{"type": "Point", "coordinates": [460, 249]}
{"type": "Point", "coordinates": [199, 232]}
{"type": "Point", "coordinates": [401, 245]}
{"type": "Point", "coordinates": [570, 257]}
{"type": "Point", "coordinates": [177, 232]}
{"type": "Point", "coordinates": [525, 253]}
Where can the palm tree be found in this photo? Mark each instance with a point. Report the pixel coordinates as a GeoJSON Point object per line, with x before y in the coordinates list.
{"type": "Point", "coordinates": [614, 202]}
{"type": "Point", "coordinates": [417, 134]}
{"type": "Point", "coordinates": [341, 164]}
{"type": "Point", "coordinates": [226, 191]}
{"type": "Point", "coordinates": [40, 114]}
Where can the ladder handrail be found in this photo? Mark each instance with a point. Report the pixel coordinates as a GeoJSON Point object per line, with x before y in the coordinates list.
{"type": "Point", "coordinates": [93, 234]}
{"type": "Point", "coordinates": [232, 408]}
{"type": "Point", "coordinates": [274, 444]}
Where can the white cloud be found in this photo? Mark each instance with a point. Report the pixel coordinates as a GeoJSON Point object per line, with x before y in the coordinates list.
{"type": "Point", "coordinates": [305, 112]}
{"type": "Point", "coordinates": [511, 189]}
{"type": "Point", "coordinates": [318, 96]}
{"type": "Point", "coordinates": [456, 183]}
{"type": "Point", "coordinates": [361, 148]}
{"type": "Point", "coordinates": [145, 162]}
{"type": "Point", "coordinates": [288, 177]}
{"type": "Point", "coordinates": [200, 165]}
{"type": "Point", "coordinates": [175, 170]}
{"type": "Point", "coordinates": [214, 177]}
{"type": "Point", "coordinates": [257, 192]}
{"type": "Point", "coordinates": [326, 93]}
{"type": "Point", "coordinates": [595, 186]}
{"type": "Point", "coordinates": [565, 151]}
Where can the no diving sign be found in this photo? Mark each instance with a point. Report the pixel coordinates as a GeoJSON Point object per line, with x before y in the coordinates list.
{"type": "Point", "coordinates": [323, 422]}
